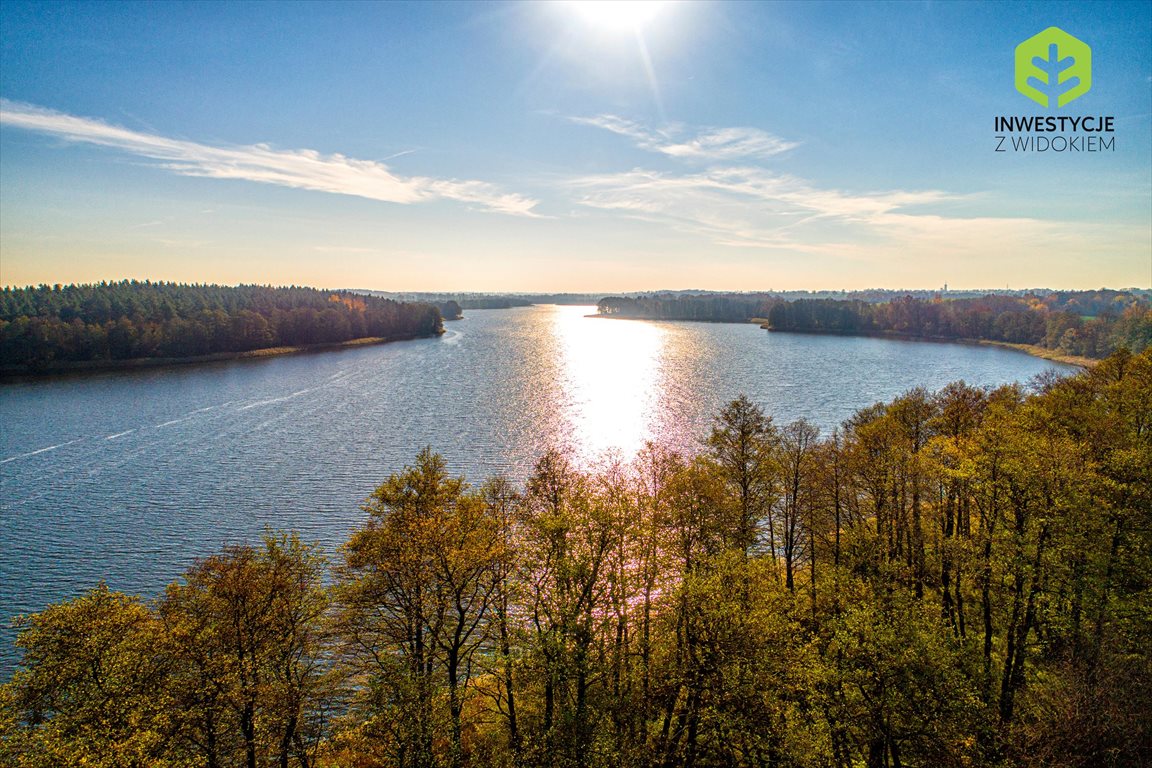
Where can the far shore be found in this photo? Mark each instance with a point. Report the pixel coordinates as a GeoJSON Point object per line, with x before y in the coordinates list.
{"type": "Point", "coordinates": [83, 366]}
{"type": "Point", "coordinates": [1031, 349]}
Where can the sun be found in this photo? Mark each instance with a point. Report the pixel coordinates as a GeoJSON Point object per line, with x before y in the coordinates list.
{"type": "Point", "coordinates": [618, 15]}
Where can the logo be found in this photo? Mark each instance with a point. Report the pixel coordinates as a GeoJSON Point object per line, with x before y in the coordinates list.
{"type": "Point", "coordinates": [1053, 68]}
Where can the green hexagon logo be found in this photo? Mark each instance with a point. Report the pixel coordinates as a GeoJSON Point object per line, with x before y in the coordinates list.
{"type": "Point", "coordinates": [1053, 68]}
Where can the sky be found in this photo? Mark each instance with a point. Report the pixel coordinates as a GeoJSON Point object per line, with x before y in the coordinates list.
{"type": "Point", "coordinates": [564, 146]}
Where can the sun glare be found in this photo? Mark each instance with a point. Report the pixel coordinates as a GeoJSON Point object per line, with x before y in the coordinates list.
{"type": "Point", "coordinates": [610, 381]}
{"type": "Point", "coordinates": [618, 15]}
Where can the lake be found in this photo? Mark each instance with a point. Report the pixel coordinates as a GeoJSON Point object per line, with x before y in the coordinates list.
{"type": "Point", "coordinates": [129, 476]}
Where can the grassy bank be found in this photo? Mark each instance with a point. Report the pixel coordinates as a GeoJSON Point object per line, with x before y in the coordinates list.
{"type": "Point", "coordinates": [1047, 354]}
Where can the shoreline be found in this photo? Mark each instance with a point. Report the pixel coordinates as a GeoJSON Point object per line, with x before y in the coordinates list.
{"type": "Point", "coordinates": [1029, 349]}
{"type": "Point", "coordinates": [9, 372]}
{"type": "Point", "coordinates": [1045, 353]}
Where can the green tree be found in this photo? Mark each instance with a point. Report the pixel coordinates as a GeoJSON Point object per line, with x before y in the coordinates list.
{"type": "Point", "coordinates": [246, 628]}
{"type": "Point", "coordinates": [568, 537]}
{"type": "Point", "coordinates": [741, 444]}
{"type": "Point", "coordinates": [92, 688]}
{"type": "Point", "coordinates": [418, 583]}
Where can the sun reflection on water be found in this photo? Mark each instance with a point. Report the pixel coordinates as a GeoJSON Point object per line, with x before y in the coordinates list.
{"type": "Point", "coordinates": [611, 373]}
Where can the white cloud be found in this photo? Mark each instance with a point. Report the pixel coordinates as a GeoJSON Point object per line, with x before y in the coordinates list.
{"type": "Point", "coordinates": [708, 144]}
{"type": "Point", "coordinates": [299, 169]}
{"type": "Point", "coordinates": [738, 203]}
{"type": "Point", "coordinates": [752, 207]}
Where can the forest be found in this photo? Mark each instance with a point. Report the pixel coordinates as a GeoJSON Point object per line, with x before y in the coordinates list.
{"type": "Point", "coordinates": [1082, 323]}
{"type": "Point", "coordinates": [708, 307]}
{"type": "Point", "coordinates": [952, 578]}
{"type": "Point", "coordinates": [47, 325]}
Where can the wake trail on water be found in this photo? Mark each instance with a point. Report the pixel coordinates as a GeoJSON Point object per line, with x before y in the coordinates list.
{"type": "Point", "coordinates": [273, 400]}
{"type": "Point", "coordinates": [42, 450]}
{"type": "Point", "coordinates": [98, 456]}
{"type": "Point", "coordinates": [185, 417]}
{"type": "Point", "coordinates": [174, 421]}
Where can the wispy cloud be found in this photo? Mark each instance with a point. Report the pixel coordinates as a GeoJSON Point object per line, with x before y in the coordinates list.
{"type": "Point", "coordinates": [739, 202]}
{"type": "Point", "coordinates": [753, 207]}
{"type": "Point", "coordinates": [705, 144]}
{"type": "Point", "coordinates": [299, 168]}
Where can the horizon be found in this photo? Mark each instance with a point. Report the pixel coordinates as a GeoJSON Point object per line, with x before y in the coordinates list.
{"type": "Point", "coordinates": [1132, 289]}
{"type": "Point", "coordinates": [408, 147]}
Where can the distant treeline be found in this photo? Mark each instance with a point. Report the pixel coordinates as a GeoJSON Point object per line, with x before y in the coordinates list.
{"type": "Point", "coordinates": [126, 320]}
{"type": "Point", "coordinates": [955, 579]}
{"type": "Point", "coordinates": [489, 300]}
{"type": "Point", "coordinates": [494, 302]}
{"type": "Point", "coordinates": [719, 308]}
{"type": "Point", "coordinates": [1086, 323]}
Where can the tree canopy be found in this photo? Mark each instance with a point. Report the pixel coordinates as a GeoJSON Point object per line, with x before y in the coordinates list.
{"type": "Point", "coordinates": [127, 320]}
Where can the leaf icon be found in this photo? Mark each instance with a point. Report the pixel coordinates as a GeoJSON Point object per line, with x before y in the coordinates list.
{"type": "Point", "coordinates": [1053, 68]}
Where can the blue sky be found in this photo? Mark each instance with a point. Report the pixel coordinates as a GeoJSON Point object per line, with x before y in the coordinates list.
{"type": "Point", "coordinates": [550, 147]}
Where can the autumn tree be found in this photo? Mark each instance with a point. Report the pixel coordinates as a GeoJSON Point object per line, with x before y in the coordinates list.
{"type": "Point", "coordinates": [741, 444]}
{"type": "Point", "coordinates": [417, 585]}
{"type": "Point", "coordinates": [568, 535]}
{"type": "Point", "coordinates": [796, 466]}
{"type": "Point", "coordinates": [246, 631]}
{"type": "Point", "coordinates": [92, 688]}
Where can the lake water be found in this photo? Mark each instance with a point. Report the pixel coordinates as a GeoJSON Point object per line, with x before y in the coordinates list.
{"type": "Point", "coordinates": [129, 476]}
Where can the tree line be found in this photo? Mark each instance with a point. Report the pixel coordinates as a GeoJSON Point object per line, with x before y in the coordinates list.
{"type": "Point", "coordinates": [707, 307]}
{"type": "Point", "coordinates": [957, 578]}
{"type": "Point", "coordinates": [994, 318]}
{"type": "Point", "coordinates": [1085, 323]}
{"type": "Point", "coordinates": [44, 325]}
